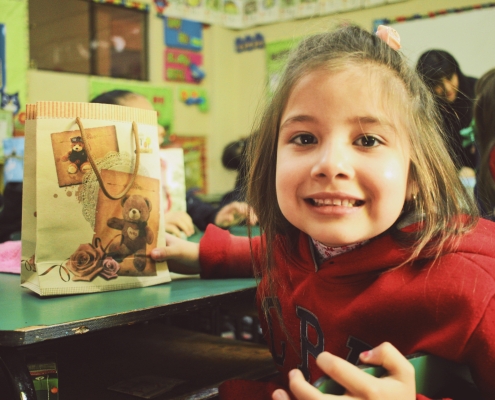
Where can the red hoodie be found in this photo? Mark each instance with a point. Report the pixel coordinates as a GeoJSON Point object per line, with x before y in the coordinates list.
{"type": "Point", "coordinates": [355, 301]}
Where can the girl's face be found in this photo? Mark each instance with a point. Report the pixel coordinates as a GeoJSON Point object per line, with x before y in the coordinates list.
{"type": "Point", "coordinates": [342, 166]}
{"type": "Point", "coordinates": [448, 88]}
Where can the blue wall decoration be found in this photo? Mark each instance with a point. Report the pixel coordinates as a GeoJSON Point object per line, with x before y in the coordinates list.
{"type": "Point", "coordinates": [183, 34]}
{"type": "Point", "coordinates": [249, 43]}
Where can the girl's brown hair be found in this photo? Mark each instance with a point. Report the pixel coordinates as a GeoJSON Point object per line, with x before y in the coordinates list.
{"type": "Point", "coordinates": [439, 195]}
{"type": "Point", "coordinates": [484, 117]}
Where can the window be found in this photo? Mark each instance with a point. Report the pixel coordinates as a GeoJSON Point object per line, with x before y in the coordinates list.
{"type": "Point", "coordinates": [86, 37]}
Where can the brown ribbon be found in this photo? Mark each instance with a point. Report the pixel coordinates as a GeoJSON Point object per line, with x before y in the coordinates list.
{"type": "Point", "coordinates": [95, 169]}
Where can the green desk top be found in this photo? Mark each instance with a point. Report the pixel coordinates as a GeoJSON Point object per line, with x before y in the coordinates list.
{"type": "Point", "coordinates": [27, 318]}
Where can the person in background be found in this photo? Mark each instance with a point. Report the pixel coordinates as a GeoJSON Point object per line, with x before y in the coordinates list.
{"type": "Point", "coordinates": [454, 92]}
{"type": "Point", "coordinates": [234, 158]}
{"type": "Point", "coordinates": [372, 248]}
{"type": "Point", "coordinates": [199, 213]}
{"type": "Point", "coordinates": [484, 118]}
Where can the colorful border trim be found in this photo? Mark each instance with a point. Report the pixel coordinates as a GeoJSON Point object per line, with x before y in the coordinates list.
{"type": "Point", "coordinates": [432, 14]}
{"type": "Point", "coordinates": [126, 3]}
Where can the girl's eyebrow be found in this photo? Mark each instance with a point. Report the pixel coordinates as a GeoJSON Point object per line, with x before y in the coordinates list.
{"type": "Point", "coordinates": [298, 118]}
{"type": "Point", "coordinates": [371, 120]}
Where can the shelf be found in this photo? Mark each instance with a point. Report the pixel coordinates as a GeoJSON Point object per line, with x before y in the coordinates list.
{"type": "Point", "coordinates": [89, 364]}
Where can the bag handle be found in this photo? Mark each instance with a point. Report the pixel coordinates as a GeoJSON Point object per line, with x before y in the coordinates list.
{"type": "Point", "coordinates": [95, 169]}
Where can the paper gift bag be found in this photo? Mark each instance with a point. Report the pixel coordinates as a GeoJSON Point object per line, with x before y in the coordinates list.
{"type": "Point", "coordinates": [91, 199]}
{"type": "Point", "coordinates": [173, 179]}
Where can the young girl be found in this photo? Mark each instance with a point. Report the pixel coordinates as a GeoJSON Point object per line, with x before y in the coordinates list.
{"type": "Point", "coordinates": [369, 238]}
{"type": "Point", "coordinates": [484, 116]}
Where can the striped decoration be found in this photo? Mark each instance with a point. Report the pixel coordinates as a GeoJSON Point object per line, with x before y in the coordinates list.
{"type": "Point", "coordinates": [137, 5]}
{"type": "Point", "coordinates": [432, 14]}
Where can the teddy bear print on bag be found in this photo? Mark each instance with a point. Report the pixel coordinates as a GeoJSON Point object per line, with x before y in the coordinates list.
{"type": "Point", "coordinates": [135, 231]}
{"type": "Point", "coordinates": [77, 156]}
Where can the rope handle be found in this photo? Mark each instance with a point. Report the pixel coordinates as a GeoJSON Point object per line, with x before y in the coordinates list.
{"type": "Point", "coordinates": [95, 169]}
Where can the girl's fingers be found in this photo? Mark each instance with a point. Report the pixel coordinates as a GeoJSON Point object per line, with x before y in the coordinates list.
{"type": "Point", "coordinates": [392, 360]}
{"type": "Point", "coordinates": [302, 389]}
{"type": "Point", "coordinates": [280, 394]}
{"type": "Point", "coordinates": [397, 383]}
{"type": "Point", "coordinates": [341, 371]}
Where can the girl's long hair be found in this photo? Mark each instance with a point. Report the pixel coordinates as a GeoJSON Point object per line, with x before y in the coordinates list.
{"type": "Point", "coordinates": [484, 117]}
{"type": "Point", "coordinates": [440, 197]}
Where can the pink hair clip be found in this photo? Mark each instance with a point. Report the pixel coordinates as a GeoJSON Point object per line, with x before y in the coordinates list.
{"type": "Point", "coordinates": [389, 35]}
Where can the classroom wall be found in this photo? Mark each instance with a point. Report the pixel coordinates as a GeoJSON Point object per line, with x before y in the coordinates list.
{"type": "Point", "coordinates": [234, 81]}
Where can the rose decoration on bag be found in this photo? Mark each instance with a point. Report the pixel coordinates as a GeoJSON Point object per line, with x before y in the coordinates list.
{"type": "Point", "coordinates": [86, 262]}
{"type": "Point", "coordinates": [110, 268]}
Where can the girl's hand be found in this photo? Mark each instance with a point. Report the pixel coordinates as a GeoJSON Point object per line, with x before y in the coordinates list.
{"type": "Point", "coordinates": [234, 213]}
{"type": "Point", "coordinates": [182, 256]}
{"type": "Point", "coordinates": [179, 223]}
{"type": "Point", "coordinates": [399, 383]}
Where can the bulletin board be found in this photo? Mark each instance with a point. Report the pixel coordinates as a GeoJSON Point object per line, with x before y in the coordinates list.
{"type": "Point", "coordinates": [469, 35]}
{"type": "Point", "coordinates": [14, 57]}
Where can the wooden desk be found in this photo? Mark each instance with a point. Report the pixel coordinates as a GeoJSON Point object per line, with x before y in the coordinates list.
{"type": "Point", "coordinates": [30, 322]}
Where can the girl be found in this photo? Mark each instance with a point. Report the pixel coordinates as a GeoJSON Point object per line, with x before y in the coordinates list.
{"type": "Point", "coordinates": [369, 238]}
{"type": "Point", "coordinates": [455, 94]}
{"type": "Point", "coordinates": [484, 116]}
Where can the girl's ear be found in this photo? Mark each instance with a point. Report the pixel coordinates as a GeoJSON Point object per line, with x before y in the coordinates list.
{"type": "Point", "coordinates": [412, 189]}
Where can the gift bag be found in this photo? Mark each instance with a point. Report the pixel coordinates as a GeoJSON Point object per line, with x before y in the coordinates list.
{"type": "Point", "coordinates": [173, 179]}
{"type": "Point", "coordinates": [91, 199]}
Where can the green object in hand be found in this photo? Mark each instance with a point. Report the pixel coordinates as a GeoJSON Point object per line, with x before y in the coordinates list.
{"type": "Point", "coordinates": [434, 377]}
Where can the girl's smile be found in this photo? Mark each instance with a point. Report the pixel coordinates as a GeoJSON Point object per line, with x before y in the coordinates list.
{"type": "Point", "coordinates": [342, 167]}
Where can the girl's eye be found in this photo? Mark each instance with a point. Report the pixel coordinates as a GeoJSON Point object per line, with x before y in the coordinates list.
{"type": "Point", "coordinates": [367, 141]}
{"type": "Point", "coordinates": [304, 139]}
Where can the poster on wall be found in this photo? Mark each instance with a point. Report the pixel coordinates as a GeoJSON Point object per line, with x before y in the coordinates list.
{"type": "Point", "coordinates": [160, 97]}
{"type": "Point", "coordinates": [14, 57]}
{"type": "Point", "coordinates": [183, 66]}
{"type": "Point", "coordinates": [276, 54]}
{"type": "Point", "coordinates": [183, 34]}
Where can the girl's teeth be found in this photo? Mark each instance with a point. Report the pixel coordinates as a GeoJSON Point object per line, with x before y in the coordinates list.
{"type": "Point", "coordinates": [335, 202]}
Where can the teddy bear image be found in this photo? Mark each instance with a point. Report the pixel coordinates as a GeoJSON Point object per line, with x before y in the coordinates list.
{"type": "Point", "coordinates": [135, 231]}
{"type": "Point", "coordinates": [77, 156]}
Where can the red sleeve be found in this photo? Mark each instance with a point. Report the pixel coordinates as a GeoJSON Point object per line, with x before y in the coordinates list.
{"type": "Point", "coordinates": [222, 255]}
{"type": "Point", "coordinates": [480, 352]}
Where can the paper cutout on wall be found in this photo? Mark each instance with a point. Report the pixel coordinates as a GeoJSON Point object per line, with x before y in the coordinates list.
{"type": "Point", "coordinates": [249, 42]}
{"type": "Point", "coordinates": [241, 14]}
{"type": "Point", "coordinates": [276, 54]}
{"type": "Point", "coordinates": [161, 5]}
{"type": "Point", "coordinates": [14, 59]}
{"type": "Point", "coordinates": [183, 34]}
{"type": "Point", "coordinates": [431, 14]}
{"type": "Point", "coordinates": [178, 66]}
{"type": "Point", "coordinates": [137, 5]}
{"type": "Point", "coordinates": [160, 97]}
{"type": "Point", "coordinates": [194, 97]}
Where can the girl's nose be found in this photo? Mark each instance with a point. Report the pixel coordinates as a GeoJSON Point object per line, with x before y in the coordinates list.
{"type": "Point", "coordinates": [333, 161]}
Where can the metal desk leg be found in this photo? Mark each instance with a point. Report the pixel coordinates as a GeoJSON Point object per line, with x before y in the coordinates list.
{"type": "Point", "coordinates": [12, 363]}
